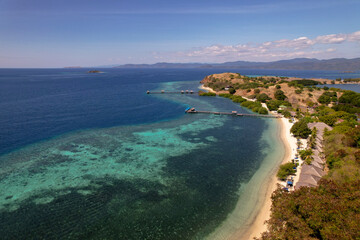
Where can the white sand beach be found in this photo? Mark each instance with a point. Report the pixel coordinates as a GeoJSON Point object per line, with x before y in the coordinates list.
{"type": "Point", "coordinates": [290, 145]}
{"type": "Point", "coordinates": [253, 208]}
{"type": "Point", "coordinates": [255, 225]}
{"type": "Point", "coordinates": [206, 88]}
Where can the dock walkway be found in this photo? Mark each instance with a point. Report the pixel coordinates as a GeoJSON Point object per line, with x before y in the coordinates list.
{"type": "Point", "coordinates": [233, 113]}
{"type": "Point", "coordinates": [171, 92]}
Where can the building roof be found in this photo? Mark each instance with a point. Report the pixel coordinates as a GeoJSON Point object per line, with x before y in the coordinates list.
{"type": "Point", "coordinates": [317, 164]}
{"type": "Point", "coordinates": [304, 184]}
{"type": "Point", "coordinates": [320, 126]}
{"type": "Point", "coordinates": [317, 159]}
{"type": "Point", "coordinates": [307, 178]}
{"type": "Point", "coordinates": [311, 170]}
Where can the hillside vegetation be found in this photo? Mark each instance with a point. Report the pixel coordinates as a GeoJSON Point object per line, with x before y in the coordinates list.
{"type": "Point", "coordinates": [332, 209]}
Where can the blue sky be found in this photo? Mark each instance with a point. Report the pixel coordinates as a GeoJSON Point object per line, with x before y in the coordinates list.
{"type": "Point", "coordinates": [48, 33]}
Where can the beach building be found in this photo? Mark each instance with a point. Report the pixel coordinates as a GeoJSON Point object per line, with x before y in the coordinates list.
{"type": "Point", "coordinates": [313, 172]}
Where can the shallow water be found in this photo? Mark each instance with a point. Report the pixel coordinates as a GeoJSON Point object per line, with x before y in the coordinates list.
{"type": "Point", "coordinates": [175, 178]}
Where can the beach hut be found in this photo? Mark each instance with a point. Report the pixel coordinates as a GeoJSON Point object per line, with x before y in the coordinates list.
{"type": "Point", "coordinates": [317, 165]}
{"type": "Point", "coordinates": [311, 170]}
{"type": "Point", "coordinates": [228, 87]}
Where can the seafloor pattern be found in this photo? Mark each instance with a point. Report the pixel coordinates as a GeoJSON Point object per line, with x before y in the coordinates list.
{"type": "Point", "coordinates": [177, 178]}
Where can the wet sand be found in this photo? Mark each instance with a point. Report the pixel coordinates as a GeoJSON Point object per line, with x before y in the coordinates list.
{"type": "Point", "coordinates": [253, 207]}
{"type": "Point", "coordinates": [247, 225]}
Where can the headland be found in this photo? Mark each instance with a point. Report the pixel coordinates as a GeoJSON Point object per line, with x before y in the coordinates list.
{"type": "Point", "coordinates": [300, 101]}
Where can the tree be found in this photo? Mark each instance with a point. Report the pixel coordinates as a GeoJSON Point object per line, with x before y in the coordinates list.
{"type": "Point", "coordinates": [327, 97]}
{"type": "Point", "coordinates": [285, 170]}
{"type": "Point", "coordinates": [262, 97]}
{"type": "Point", "coordinates": [330, 211]}
{"type": "Point", "coordinates": [300, 129]}
{"type": "Point", "coordinates": [232, 90]}
{"type": "Point", "coordinates": [279, 95]}
{"type": "Point", "coordinates": [263, 110]}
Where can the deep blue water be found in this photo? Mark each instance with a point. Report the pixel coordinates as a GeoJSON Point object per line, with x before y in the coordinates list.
{"type": "Point", "coordinates": [352, 87]}
{"type": "Point", "coordinates": [37, 104]}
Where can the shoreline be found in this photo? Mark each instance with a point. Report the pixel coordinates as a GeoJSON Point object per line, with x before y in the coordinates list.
{"type": "Point", "coordinates": [206, 88]}
{"type": "Point", "coordinates": [254, 225]}
{"type": "Point", "coordinates": [289, 143]}
{"type": "Point", "coordinates": [242, 225]}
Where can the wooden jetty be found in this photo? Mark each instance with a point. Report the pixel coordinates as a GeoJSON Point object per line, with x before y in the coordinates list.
{"type": "Point", "coordinates": [233, 113]}
{"type": "Point", "coordinates": [163, 91]}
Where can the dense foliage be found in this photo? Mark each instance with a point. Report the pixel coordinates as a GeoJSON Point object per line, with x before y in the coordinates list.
{"type": "Point", "coordinates": [285, 170]}
{"type": "Point", "coordinates": [303, 82]}
{"type": "Point", "coordinates": [234, 98]}
{"type": "Point", "coordinates": [351, 98]}
{"type": "Point", "coordinates": [279, 95]}
{"type": "Point", "coordinates": [332, 117]}
{"type": "Point", "coordinates": [328, 97]}
{"type": "Point", "coordinates": [232, 90]}
{"type": "Point", "coordinates": [255, 107]}
{"type": "Point", "coordinates": [330, 211]}
{"type": "Point", "coordinates": [209, 94]}
{"type": "Point", "coordinates": [274, 105]}
{"type": "Point", "coordinates": [262, 97]}
{"type": "Point", "coordinates": [300, 129]}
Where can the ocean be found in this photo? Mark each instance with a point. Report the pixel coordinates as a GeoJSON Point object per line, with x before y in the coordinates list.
{"type": "Point", "coordinates": [92, 156]}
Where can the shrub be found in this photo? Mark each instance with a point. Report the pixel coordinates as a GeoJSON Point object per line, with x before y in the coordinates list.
{"type": "Point", "coordinates": [209, 94]}
{"type": "Point", "coordinates": [262, 97]}
{"type": "Point", "coordinates": [255, 107]}
{"type": "Point", "coordinates": [257, 91]}
{"type": "Point", "coordinates": [279, 95]}
{"type": "Point", "coordinates": [300, 129]}
{"type": "Point", "coordinates": [351, 98]}
{"type": "Point", "coordinates": [286, 114]}
{"type": "Point", "coordinates": [278, 86]}
{"type": "Point", "coordinates": [329, 211]}
{"type": "Point", "coordinates": [285, 170]}
{"type": "Point", "coordinates": [303, 82]}
{"type": "Point", "coordinates": [305, 153]}
{"type": "Point", "coordinates": [328, 97]}
{"type": "Point", "coordinates": [232, 90]}
{"type": "Point", "coordinates": [273, 105]}
{"type": "Point", "coordinates": [263, 111]}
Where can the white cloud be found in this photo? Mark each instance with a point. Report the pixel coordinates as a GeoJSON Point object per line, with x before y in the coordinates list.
{"type": "Point", "coordinates": [320, 46]}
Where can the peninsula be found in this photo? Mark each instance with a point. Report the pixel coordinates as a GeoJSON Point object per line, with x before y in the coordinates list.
{"type": "Point", "coordinates": [315, 196]}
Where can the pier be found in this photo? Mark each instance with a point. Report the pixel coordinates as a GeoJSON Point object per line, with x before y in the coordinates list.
{"type": "Point", "coordinates": [233, 113]}
{"type": "Point", "coordinates": [165, 92]}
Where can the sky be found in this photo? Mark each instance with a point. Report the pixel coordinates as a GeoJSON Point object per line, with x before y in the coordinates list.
{"type": "Point", "coordinates": [49, 33]}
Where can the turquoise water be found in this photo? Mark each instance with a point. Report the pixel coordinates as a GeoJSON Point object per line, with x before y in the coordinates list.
{"type": "Point", "coordinates": [172, 179]}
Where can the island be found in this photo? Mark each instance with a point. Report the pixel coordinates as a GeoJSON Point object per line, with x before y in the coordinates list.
{"type": "Point", "coordinates": [94, 71]}
{"type": "Point", "coordinates": [315, 192]}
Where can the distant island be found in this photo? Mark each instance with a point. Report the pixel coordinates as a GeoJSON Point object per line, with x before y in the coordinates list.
{"type": "Point", "coordinates": [94, 71]}
{"type": "Point", "coordinates": [337, 64]}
